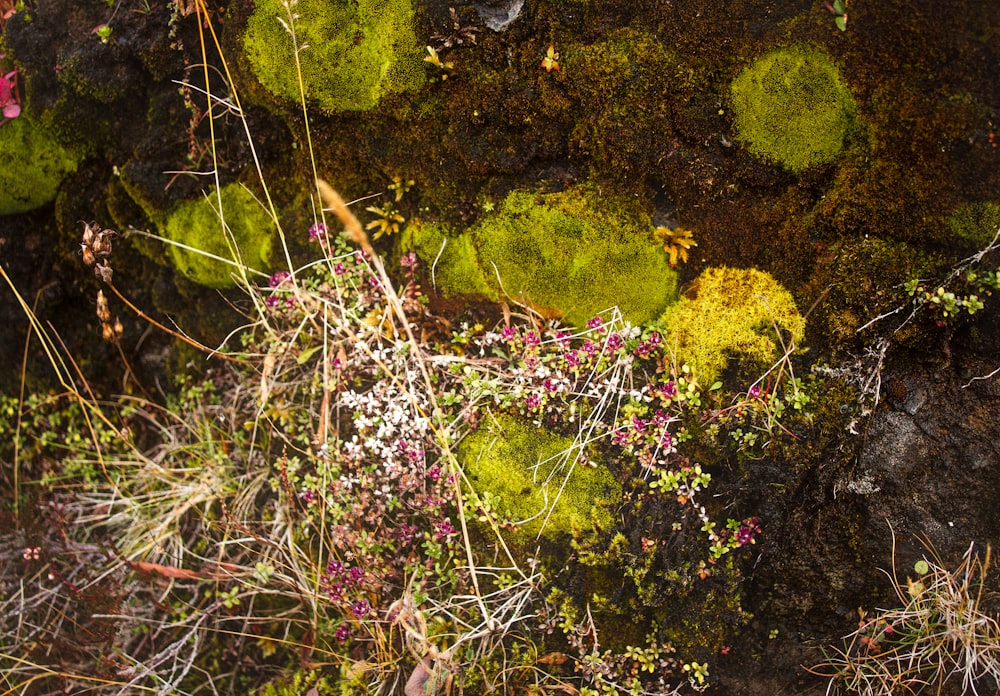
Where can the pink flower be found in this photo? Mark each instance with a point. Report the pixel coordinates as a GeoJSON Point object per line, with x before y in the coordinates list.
{"type": "Point", "coordinates": [8, 98]}
{"type": "Point", "coordinates": [444, 528]}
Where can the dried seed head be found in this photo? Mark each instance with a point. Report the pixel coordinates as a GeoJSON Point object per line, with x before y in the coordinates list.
{"type": "Point", "coordinates": [88, 233]}
{"type": "Point", "coordinates": [88, 255]}
{"type": "Point", "coordinates": [107, 332]}
{"type": "Point", "coordinates": [102, 307]}
{"type": "Point", "coordinates": [118, 329]}
{"type": "Point", "coordinates": [104, 272]}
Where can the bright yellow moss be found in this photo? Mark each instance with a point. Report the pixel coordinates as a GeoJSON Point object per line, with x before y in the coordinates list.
{"type": "Point", "coordinates": [731, 312]}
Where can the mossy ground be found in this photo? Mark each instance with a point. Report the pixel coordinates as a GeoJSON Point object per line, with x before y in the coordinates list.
{"type": "Point", "coordinates": [842, 235]}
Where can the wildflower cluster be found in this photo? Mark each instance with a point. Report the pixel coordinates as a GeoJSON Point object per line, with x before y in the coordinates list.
{"type": "Point", "coordinates": [367, 472]}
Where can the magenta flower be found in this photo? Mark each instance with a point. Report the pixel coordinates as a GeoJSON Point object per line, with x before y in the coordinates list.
{"type": "Point", "coordinates": [278, 278]}
{"type": "Point", "coordinates": [594, 323]}
{"type": "Point", "coordinates": [335, 592]}
{"type": "Point", "coordinates": [533, 401]}
{"type": "Point", "coordinates": [339, 269]}
{"type": "Point", "coordinates": [342, 633]}
{"type": "Point", "coordinates": [317, 231]}
{"type": "Point", "coordinates": [408, 260]}
{"type": "Point", "coordinates": [361, 608]}
{"type": "Point", "coordinates": [509, 333]}
{"type": "Point", "coordinates": [444, 528]}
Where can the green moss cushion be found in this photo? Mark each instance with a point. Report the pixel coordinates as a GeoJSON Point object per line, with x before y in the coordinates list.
{"type": "Point", "coordinates": [351, 53]}
{"type": "Point", "coordinates": [531, 478]}
{"type": "Point", "coordinates": [791, 107]}
{"type": "Point", "coordinates": [32, 165]}
{"type": "Point", "coordinates": [197, 227]}
{"type": "Point", "coordinates": [576, 253]}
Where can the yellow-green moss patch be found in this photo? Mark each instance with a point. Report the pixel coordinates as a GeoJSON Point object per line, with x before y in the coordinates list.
{"type": "Point", "coordinates": [451, 260]}
{"type": "Point", "coordinates": [32, 165]}
{"type": "Point", "coordinates": [198, 225]}
{"type": "Point", "coordinates": [575, 252]}
{"type": "Point", "coordinates": [531, 474]}
{"type": "Point", "coordinates": [351, 53]}
{"type": "Point", "coordinates": [731, 312]}
{"type": "Point", "coordinates": [791, 107]}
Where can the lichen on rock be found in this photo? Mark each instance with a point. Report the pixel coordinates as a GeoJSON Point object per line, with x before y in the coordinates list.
{"type": "Point", "coordinates": [351, 53]}
{"type": "Point", "coordinates": [791, 107]}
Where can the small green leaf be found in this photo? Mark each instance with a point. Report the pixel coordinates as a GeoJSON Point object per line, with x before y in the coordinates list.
{"type": "Point", "coordinates": [839, 6]}
{"type": "Point", "coordinates": [715, 386]}
{"type": "Point", "coordinates": [921, 567]}
{"type": "Point", "coordinates": [306, 354]}
{"type": "Point", "coordinates": [841, 22]}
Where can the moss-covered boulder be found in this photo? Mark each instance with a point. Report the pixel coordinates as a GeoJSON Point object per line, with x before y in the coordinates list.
{"type": "Point", "coordinates": [731, 312]}
{"type": "Point", "coordinates": [575, 253]}
{"type": "Point", "coordinates": [531, 476]}
{"type": "Point", "coordinates": [351, 53]}
{"type": "Point", "coordinates": [32, 165]}
{"type": "Point", "coordinates": [243, 232]}
{"type": "Point", "coordinates": [790, 107]}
